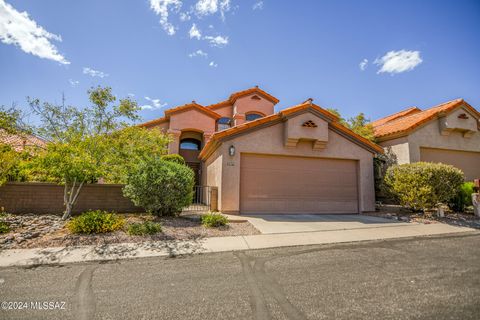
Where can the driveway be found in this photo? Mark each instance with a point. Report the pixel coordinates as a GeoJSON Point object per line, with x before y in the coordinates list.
{"type": "Point", "coordinates": [288, 223]}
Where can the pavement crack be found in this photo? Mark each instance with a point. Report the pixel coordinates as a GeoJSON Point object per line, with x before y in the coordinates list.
{"type": "Point", "coordinates": [85, 299]}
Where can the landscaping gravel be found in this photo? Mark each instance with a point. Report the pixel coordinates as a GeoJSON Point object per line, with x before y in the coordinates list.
{"type": "Point", "coordinates": [39, 231]}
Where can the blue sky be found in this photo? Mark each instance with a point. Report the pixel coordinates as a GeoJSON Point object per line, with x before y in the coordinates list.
{"type": "Point", "coordinates": [419, 52]}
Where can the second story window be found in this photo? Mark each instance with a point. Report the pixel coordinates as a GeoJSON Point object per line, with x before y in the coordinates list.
{"type": "Point", "coordinates": [223, 123]}
{"type": "Point", "coordinates": [253, 116]}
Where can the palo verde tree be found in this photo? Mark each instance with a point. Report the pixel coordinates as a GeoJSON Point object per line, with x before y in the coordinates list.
{"type": "Point", "coordinates": [82, 141]}
{"type": "Point", "coordinates": [358, 124]}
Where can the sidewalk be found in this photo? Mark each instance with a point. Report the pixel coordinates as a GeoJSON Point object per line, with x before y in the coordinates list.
{"type": "Point", "coordinates": [29, 257]}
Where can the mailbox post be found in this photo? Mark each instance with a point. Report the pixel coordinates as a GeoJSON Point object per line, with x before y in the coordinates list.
{"type": "Point", "coordinates": [476, 197]}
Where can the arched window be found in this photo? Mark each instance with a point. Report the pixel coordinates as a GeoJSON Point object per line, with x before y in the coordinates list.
{"type": "Point", "coordinates": [190, 144]}
{"type": "Point", "coordinates": [253, 116]}
{"type": "Point", "coordinates": [223, 123]}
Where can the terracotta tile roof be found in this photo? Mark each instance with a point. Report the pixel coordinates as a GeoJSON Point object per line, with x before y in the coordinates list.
{"type": "Point", "coordinates": [395, 116]}
{"type": "Point", "coordinates": [234, 96]}
{"type": "Point", "coordinates": [216, 137]}
{"type": "Point", "coordinates": [401, 125]}
{"type": "Point", "coordinates": [20, 141]}
{"type": "Point", "coordinates": [185, 107]}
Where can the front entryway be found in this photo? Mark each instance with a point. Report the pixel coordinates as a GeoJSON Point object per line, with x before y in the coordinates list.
{"type": "Point", "coordinates": [292, 185]}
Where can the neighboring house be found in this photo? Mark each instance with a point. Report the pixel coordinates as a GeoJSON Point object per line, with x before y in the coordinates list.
{"type": "Point", "coordinates": [21, 141]}
{"type": "Point", "coordinates": [299, 160]}
{"type": "Point", "coordinates": [447, 133]}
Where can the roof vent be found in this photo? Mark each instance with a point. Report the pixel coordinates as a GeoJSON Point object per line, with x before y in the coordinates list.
{"type": "Point", "coordinates": [463, 116]}
{"type": "Point", "coordinates": [255, 97]}
{"type": "Point", "coordinates": [309, 124]}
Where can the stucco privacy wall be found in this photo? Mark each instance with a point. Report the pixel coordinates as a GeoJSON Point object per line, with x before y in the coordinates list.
{"type": "Point", "coordinates": [270, 140]}
{"type": "Point", "coordinates": [400, 147]}
{"type": "Point", "coordinates": [31, 197]}
{"type": "Point", "coordinates": [429, 136]}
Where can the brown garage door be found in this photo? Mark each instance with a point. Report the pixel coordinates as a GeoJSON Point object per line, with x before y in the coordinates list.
{"type": "Point", "coordinates": [468, 162]}
{"type": "Point", "coordinates": [278, 184]}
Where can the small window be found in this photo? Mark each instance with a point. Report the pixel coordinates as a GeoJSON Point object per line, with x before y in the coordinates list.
{"type": "Point", "coordinates": [223, 123]}
{"type": "Point", "coordinates": [190, 144]}
{"type": "Point", "coordinates": [252, 116]}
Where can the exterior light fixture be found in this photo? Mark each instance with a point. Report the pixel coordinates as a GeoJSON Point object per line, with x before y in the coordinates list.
{"type": "Point", "coordinates": [231, 151]}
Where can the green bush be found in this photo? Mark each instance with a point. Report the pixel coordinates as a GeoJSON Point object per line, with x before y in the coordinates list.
{"type": "Point", "coordinates": [175, 158]}
{"type": "Point", "coordinates": [4, 228]}
{"type": "Point", "coordinates": [423, 185]}
{"type": "Point", "coordinates": [147, 227]}
{"type": "Point", "coordinates": [463, 198]}
{"type": "Point", "coordinates": [97, 221]}
{"type": "Point", "coordinates": [160, 187]}
{"type": "Point", "coordinates": [212, 220]}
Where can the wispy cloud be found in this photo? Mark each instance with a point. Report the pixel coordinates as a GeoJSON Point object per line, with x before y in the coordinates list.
{"type": "Point", "coordinates": [94, 73]}
{"type": "Point", "coordinates": [198, 53]}
{"type": "Point", "coordinates": [363, 64]}
{"type": "Point", "coordinates": [184, 16]}
{"type": "Point", "coordinates": [195, 32]}
{"type": "Point", "coordinates": [258, 5]}
{"type": "Point", "coordinates": [18, 29]}
{"type": "Point", "coordinates": [398, 61]}
{"type": "Point", "coordinates": [131, 94]}
{"type": "Point", "coordinates": [162, 8]}
{"type": "Point", "coordinates": [213, 64]}
{"type": "Point", "coordinates": [73, 83]}
{"type": "Point", "coordinates": [154, 104]}
{"type": "Point", "coordinates": [217, 41]}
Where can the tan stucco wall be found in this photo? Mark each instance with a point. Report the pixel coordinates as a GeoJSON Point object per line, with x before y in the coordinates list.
{"type": "Point", "coordinates": [214, 174]}
{"type": "Point", "coordinates": [270, 140]}
{"type": "Point", "coordinates": [399, 147]}
{"type": "Point", "coordinates": [192, 119]}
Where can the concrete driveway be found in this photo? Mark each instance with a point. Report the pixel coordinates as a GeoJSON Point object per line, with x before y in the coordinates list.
{"type": "Point", "coordinates": [286, 223]}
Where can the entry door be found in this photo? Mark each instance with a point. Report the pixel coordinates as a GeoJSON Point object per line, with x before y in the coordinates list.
{"type": "Point", "coordinates": [289, 185]}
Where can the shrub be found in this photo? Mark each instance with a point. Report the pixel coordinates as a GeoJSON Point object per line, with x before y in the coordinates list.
{"type": "Point", "coordinates": [213, 220]}
{"type": "Point", "coordinates": [97, 221]}
{"type": "Point", "coordinates": [147, 227]}
{"type": "Point", "coordinates": [160, 187]}
{"type": "Point", "coordinates": [422, 185]}
{"type": "Point", "coordinates": [175, 158]}
{"type": "Point", "coordinates": [463, 198]}
{"type": "Point", "coordinates": [4, 228]}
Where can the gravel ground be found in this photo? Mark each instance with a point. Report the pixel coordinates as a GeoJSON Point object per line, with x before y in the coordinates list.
{"type": "Point", "coordinates": [453, 218]}
{"type": "Point", "coordinates": [57, 235]}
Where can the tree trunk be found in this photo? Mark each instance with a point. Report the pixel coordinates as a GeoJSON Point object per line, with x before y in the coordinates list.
{"type": "Point", "coordinates": [70, 195]}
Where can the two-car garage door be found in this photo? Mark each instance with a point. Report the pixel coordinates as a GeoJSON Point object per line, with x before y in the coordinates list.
{"type": "Point", "coordinates": [283, 184]}
{"type": "Point", "coordinates": [467, 161]}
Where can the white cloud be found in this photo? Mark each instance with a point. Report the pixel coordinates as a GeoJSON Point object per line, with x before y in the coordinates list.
{"type": "Point", "coordinates": [184, 16]}
{"type": "Point", "coordinates": [161, 8]}
{"type": "Point", "coordinates": [195, 32]}
{"type": "Point", "coordinates": [18, 29]}
{"type": "Point", "coordinates": [217, 41]}
{"type": "Point", "coordinates": [94, 73]}
{"type": "Point", "coordinates": [209, 7]}
{"type": "Point", "coordinates": [73, 83]}
{"type": "Point", "coordinates": [363, 65]}
{"type": "Point", "coordinates": [258, 5]}
{"type": "Point", "coordinates": [131, 94]}
{"type": "Point", "coordinates": [398, 61]}
{"type": "Point", "coordinates": [213, 64]}
{"type": "Point", "coordinates": [198, 53]}
{"type": "Point", "coordinates": [155, 104]}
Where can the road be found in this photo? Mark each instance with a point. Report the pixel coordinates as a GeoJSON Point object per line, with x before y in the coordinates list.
{"type": "Point", "coordinates": [423, 278]}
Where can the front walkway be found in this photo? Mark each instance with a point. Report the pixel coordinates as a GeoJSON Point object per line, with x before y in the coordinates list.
{"type": "Point", "coordinates": [28, 257]}
{"type": "Point", "coordinates": [288, 223]}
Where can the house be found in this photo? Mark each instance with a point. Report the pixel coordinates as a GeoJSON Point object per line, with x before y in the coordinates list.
{"type": "Point", "coordinates": [447, 133]}
{"type": "Point", "coordinates": [299, 160]}
{"type": "Point", "coordinates": [21, 141]}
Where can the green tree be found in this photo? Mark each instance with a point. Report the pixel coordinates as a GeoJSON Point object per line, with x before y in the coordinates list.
{"type": "Point", "coordinates": [10, 119]}
{"type": "Point", "coordinates": [358, 124]}
{"type": "Point", "coordinates": [83, 142]}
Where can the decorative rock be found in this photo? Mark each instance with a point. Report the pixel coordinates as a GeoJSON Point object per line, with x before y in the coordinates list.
{"type": "Point", "coordinates": [404, 219]}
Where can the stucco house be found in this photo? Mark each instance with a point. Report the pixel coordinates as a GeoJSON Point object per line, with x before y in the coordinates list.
{"type": "Point", "coordinates": [447, 133]}
{"type": "Point", "coordinates": [299, 160]}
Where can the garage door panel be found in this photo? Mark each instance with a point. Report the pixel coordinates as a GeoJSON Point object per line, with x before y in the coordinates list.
{"type": "Point", "coordinates": [468, 162]}
{"type": "Point", "coordinates": [277, 184]}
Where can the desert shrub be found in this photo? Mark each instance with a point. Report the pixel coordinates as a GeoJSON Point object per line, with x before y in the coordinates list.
{"type": "Point", "coordinates": [463, 198]}
{"type": "Point", "coordinates": [97, 221]}
{"type": "Point", "coordinates": [175, 158]}
{"type": "Point", "coordinates": [4, 228]}
{"type": "Point", "coordinates": [423, 185]}
{"type": "Point", "coordinates": [213, 220]}
{"type": "Point", "coordinates": [160, 187]}
{"type": "Point", "coordinates": [147, 227]}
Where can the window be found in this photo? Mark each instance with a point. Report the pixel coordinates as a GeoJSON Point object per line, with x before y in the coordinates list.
{"type": "Point", "coordinates": [190, 144]}
{"type": "Point", "coordinates": [252, 116]}
{"type": "Point", "coordinates": [223, 123]}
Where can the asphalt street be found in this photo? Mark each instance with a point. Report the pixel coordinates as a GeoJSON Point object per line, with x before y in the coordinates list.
{"type": "Point", "coordinates": [423, 278]}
